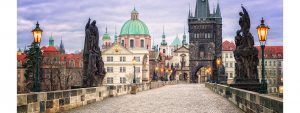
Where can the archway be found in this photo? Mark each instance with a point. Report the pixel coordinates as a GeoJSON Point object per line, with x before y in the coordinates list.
{"type": "Point", "coordinates": [203, 74]}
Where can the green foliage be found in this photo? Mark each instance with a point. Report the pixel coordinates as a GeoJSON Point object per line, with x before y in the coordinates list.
{"type": "Point", "coordinates": [30, 64]}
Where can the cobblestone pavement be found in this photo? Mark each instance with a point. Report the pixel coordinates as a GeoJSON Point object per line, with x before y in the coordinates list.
{"type": "Point", "coordinates": [181, 98]}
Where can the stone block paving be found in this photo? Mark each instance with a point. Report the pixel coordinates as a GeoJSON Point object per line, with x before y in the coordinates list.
{"type": "Point", "coordinates": [181, 98]}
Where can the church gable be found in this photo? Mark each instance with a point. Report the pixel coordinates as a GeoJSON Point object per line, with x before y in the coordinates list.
{"type": "Point", "coordinates": [182, 49]}
{"type": "Point", "coordinates": [117, 49]}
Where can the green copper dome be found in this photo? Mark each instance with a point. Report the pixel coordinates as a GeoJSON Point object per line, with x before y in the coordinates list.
{"type": "Point", "coordinates": [176, 42]}
{"type": "Point", "coordinates": [134, 26]}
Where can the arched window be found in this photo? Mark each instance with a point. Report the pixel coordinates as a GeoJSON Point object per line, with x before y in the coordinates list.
{"type": "Point", "coordinates": [123, 44]}
{"type": "Point", "coordinates": [131, 43]}
{"type": "Point", "coordinates": [142, 44]}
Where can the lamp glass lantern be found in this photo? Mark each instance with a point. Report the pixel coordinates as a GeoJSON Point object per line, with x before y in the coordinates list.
{"type": "Point", "coordinates": [262, 31]}
{"type": "Point", "coordinates": [37, 33]}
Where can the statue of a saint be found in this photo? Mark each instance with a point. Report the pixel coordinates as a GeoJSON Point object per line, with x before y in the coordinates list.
{"type": "Point", "coordinates": [93, 68]}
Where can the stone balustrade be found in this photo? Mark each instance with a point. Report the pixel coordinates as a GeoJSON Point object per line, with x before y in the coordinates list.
{"type": "Point", "coordinates": [58, 101]}
{"type": "Point", "coordinates": [248, 101]}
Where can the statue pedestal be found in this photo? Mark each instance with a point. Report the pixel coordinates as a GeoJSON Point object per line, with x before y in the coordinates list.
{"type": "Point", "coordinates": [251, 85]}
{"type": "Point", "coordinates": [133, 89]}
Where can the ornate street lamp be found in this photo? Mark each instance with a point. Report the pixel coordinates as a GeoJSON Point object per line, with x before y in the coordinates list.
{"type": "Point", "coordinates": [218, 62]}
{"type": "Point", "coordinates": [262, 31]}
{"type": "Point", "coordinates": [134, 62]}
{"type": "Point", "coordinates": [37, 35]}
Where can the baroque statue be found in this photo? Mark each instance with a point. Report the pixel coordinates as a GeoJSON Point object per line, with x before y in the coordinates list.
{"type": "Point", "coordinates": [246, 55]}
{"type": "Point", "coordinates": [93, 65]}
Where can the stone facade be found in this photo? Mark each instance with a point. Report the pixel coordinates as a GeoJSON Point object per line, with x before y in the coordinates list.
{"type": "Point", "coordinates": [248, 101]}
{"type": "Point", "coordinates": [180, 59]}
{"type": "Point", "coordinates": [205, 32]}
{"type": "Point", "coordinates": [59, 101]}
{"type": "Point", "coordinates": [228, 60]}
{"type": "Point", "coordinates": [119, 68]}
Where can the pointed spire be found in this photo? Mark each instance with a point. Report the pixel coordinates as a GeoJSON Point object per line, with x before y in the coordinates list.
{"type": "Point", "coordinates": [164, 43]}
{"type": "Point", "coordinates": [116, 36]}
{"type": "Point", "coordinates": [61, 46]}
{"type": "Point", "coordinates": [202, 9]}
{"type": "Point", "coordinates": [184, 38]}
{"type": "Point", "coordinates": [51, 40]}
{"type": "Point", "coordinates": [218, 11]}
{"type": "Point", "coordinates": [190, 11]}
{"type": "Point", "coordinates": [163, 30]}
{"type": "Point", "coordinates": [214, 10]}
{"type": "Point", "coordinates": [106, 29]}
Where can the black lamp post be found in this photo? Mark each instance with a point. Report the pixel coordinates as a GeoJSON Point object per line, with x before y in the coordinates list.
{"type": "Point", "coordinates": [134, 62]}
{"type": "Point", "coordinates": [218, 62]}
{"type": "Point", "coordinates": [262, 31]}
{"type": "Point", "coordinates": [37, 35]}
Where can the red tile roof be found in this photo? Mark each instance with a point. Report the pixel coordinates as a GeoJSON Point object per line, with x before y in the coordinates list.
{"type": "Point", "coordinates": [50, 49]}
{"type": "Point", "coordinates": [228, 46]}
{"type": "Point", "coordinates": [271, 52]}
{"type": "Point", "coordinates": [21, 58]}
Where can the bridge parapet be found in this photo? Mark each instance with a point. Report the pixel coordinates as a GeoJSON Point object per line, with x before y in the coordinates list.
{"type": "Point", "coordinates": [248, 101]}
{"type": "Point", "coordinates": [58, 101]}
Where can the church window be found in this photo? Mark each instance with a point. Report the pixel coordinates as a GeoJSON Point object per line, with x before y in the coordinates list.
{"type": "Point", "coordinates": [142, 44]}
{"type": "Point", "coordinates": [131, 43]}
{"type": "Point", "coordinates": [122, 42]}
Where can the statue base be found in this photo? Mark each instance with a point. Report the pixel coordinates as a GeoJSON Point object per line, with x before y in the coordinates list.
{"type": "Point", "coordinates": [251, 85]}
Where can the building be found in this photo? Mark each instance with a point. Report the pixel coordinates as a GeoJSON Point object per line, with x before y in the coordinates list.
{"type": "Point", "coordinates": [273, 65]}
{"type": "Point", "coordinates": [20, 71]}
{"type": "Point", "coordinates": [205, 44]}
{"type": "Point", "coordinates": [180, 60]}
{"type": "Point", "coordinates": [118, 62]}
{"type": "Point", "coordinates": [228, 60]}
{"type": "Point", "coordinates": [134, 42]}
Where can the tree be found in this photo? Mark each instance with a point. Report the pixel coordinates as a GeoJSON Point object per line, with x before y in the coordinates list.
{"type": "Point", "coordinates": [53, 69]}
{"type": "Point", "coordinates": [33, 57]}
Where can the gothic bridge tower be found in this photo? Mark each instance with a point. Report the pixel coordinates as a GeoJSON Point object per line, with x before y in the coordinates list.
{"type": "Point", "coordinates": [205, 32]}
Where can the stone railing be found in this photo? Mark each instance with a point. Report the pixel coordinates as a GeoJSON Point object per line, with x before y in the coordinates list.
{"type": "Point", "coordinates": [58, 101]}
{"type": "Point", "coordinates": [248, 101]}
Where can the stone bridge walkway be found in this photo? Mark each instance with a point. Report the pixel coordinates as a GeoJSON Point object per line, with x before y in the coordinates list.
{"type": "Point", "coordinates": [181, 98]}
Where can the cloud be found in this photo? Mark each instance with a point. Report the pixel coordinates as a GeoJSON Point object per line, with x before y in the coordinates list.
{"type": "Point", "coordinates": [67, 18]}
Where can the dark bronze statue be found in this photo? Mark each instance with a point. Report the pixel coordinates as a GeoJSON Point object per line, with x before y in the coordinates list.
{"type": "Point", "coordinates": [245, 53]}
{"type": "Point", "coordinates": [93, 65]}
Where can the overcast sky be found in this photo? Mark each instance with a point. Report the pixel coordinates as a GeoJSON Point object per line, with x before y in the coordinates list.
{"type": "Point", "coordinates": [67, 18]}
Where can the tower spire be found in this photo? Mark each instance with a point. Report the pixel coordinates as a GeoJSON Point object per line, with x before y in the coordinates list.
{"type": "Point", "coordinates": [116, 37]}
{"type": "Point", "coordinates": [202, 9]}
{"type": "Point", "coordinates": [51, 40]}
{"type": "Point", "coordinates": [190, 11]}
{"type": "Point", "coordinates": [61, 46]}
{"type": "Point", "coordinates": [164, 43]}
{"type": "Point", "coordinates": [106, 29]}
{"type": "Point", "coordinates": [218, 10]}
